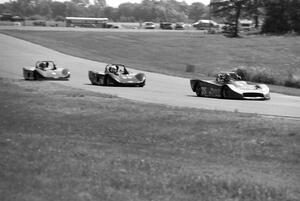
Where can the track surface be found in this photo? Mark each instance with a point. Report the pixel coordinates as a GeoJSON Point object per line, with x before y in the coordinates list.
{"type": "Point", "coordinates": [161, 89]}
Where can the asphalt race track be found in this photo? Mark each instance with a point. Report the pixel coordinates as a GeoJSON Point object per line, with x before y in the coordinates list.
{"type": "Point", "coordinates": [160, 89]}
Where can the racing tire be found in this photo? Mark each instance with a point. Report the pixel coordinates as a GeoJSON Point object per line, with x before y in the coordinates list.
{"type": "Point", "coordinates": [105, 82]}
{"type": "Point", "coordinates": [142, 84]}
{"type": "Point", "coordinates": [225, 92]}
{"type": "Point", "coordinates": [37, 76]}
{"type": "Point", "coordinates": [198, 91]}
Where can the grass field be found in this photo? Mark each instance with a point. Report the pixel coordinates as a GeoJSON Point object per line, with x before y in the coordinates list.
{"type": "Point", "coordinates": [67, 144]}
{"type": "Point", "coordinates": [273, 59]}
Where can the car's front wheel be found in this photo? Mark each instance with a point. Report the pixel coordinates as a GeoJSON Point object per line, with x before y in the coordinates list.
{"type": "Point", "coordinates": [142, 84]}
{"type": "Point", "coordinates": [225, 92]}
{"type": "Point", "coordinates": [37, 75]}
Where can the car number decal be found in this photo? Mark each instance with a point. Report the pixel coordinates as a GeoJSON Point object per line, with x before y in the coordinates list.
{"type": "Point", "coordinates": [210, 92]}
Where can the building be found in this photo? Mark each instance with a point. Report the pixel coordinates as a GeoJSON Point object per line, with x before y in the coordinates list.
{"type": "Point", "coordinates": [86, 22]}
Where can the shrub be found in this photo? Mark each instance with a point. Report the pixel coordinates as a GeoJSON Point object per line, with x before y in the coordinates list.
{"type": "Point", "coordinates": [59, 18]}
{"type": "Point", "coordinates": [257, 74]}
{"type": "Point", "coordinates": [264, 75]}
{"type": "Point", "coordinates": [292, 81]}
{"type": "Point", "coordinates": [36, 17]}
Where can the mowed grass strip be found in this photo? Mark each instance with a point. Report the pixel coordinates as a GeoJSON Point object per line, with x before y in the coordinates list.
{"type": "Point", "coordinates": [68, 144]}
{"type": "Point", "coordinates": [171, 52]}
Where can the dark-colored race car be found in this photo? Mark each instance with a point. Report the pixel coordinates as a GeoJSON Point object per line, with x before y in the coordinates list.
{"type": "Point", "coordinates": [45, 70]}
{"type": "Point", "coordinates": [230, 85]}
{"type": "Point", "coordinates": [117, 75]}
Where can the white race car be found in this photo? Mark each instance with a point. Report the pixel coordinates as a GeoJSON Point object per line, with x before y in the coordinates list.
{"type": "Point", "coordinates": [45, 70]}
{"type": "Point", "coordinates": [117, 75]}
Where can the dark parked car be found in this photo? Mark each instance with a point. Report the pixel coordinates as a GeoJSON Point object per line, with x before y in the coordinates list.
{"type": "Point", "coordinates": [111, 26]}
{"type": "Point", "coordinates": [166, 25]}
{"type": "Point", "coordinates": [39, 23]}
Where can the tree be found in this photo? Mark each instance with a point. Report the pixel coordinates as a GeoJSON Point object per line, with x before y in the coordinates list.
{"type": "Point", "coordinates": [44, 8]}
{"type": "Point", "coordinates": [81, 2]}
{"type": "Point", "coordinates": [111, 13]}
{"type": "Point", "coordinates": [197, 11]}
{"type": "Point", "coordinates": [282, 16]}
{"type": "Point", "coordinates": [23, 7]}
{"type": "Point", "coordinates": [147, 10]}
{"type": "Point", "coordinates": [58, 9]}
{"type": "Point", "coordinates": [100, 3]}
{"type": "Point", "coordinates": [232, 9]}
{"type": "Point", "coordinates": [295, 15]}
{"type": "Point", "coordinates": [276, 20]}
{"type": "Point", "coordinates": [255, 10]}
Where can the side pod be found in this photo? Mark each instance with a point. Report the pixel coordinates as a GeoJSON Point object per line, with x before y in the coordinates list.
{"type": "Point", "coordinates": [96, 78]}
{"type": "Point", "coordinates": [194, 84]}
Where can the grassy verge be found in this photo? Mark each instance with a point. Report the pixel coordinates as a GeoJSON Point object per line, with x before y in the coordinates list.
{"type": "Point", "coordinates": [272, 59]}
{"type": "Point", "coordinates": [68, 144]}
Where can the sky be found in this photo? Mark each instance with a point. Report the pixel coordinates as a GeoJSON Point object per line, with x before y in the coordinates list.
{"type": "Point", "coordinates": [116, 3]}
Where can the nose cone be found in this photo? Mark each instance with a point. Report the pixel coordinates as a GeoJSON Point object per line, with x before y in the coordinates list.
{"type": "Point", "coordinates": [65, 72]}
{"type": "Point", "coordinates": [140, 77]}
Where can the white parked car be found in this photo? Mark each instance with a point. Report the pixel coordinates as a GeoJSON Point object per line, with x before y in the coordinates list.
{"type": "Point", "coordinates": [149, 25]}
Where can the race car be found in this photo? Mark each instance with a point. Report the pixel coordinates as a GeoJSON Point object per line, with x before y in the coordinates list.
{"type": "Point", "coordinates": [229, 85]}
{"type": "Point", "coordinates": [45, 70]}
{"type": "Point", "coordinates": [117, 75]}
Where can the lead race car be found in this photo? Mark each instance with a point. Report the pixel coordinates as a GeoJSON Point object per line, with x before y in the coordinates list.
{"type": "Point", "coordinates": [46, 70]}
{"type": "Point", "coordinates": [229, 85]}
{"type": "Point", "coordinates": [117, 75]}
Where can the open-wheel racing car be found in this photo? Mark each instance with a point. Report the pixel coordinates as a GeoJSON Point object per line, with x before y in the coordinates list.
{"type": "Point", "coordinates": [45, 70]}
{"type": "Point", "coordinates": [229, 85]}
{"type": "Point", "coordinates": [117, 75]}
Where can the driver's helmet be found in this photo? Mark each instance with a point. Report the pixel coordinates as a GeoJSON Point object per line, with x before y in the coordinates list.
{"type": "Point", "coordinates": [42, 65]}
{"type": "Point", "coordinates": [223, 78]}
{"type": "Point", "coordinates": [220, 77]}
{"type": "Point", "coordinates": [226, 77]}
{"type": "Point", "coordinates": [113, 69]}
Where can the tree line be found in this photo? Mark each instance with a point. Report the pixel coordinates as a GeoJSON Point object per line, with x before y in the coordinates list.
{"type": "Point", "coordinates": [278, 16]}
{"type": "Point", "coordinates": [147, 10]}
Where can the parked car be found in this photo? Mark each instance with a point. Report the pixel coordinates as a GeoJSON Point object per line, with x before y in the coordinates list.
{"type": "Point", "coordinates": [111, 26]}
{"type": "Point", "coordinates": [149, 25]}
{"type": "Point", "coordinates": [39, 23]}
{"type": "Point", "coordinates": [179, 26]}
{"type": "Point", "coordinates": [45, 70]}
{"type": "Point", "coordinates": [166, 25]}
{"type": "Point", "coordinates": [117, 75]}
{"type": "Point", "coordinates": [205, 25]}
{"type": "Point", "coordinates": [229, 85]}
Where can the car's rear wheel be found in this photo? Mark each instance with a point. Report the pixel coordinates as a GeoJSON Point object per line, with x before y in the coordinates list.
{"type": "Point", "coordinates": [225, 92]}
{"type": "Point", "coordinates": [198, 91]}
